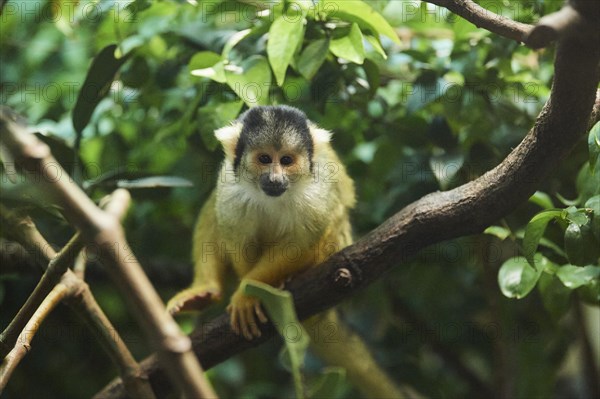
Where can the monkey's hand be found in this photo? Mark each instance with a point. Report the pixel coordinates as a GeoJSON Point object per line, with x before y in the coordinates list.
{"type": "Point", "coordinates": [244, 311]}
{"type": "Point", "coordinates": [194, 298]}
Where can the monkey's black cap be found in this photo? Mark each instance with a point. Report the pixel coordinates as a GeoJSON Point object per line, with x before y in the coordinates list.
{"type": "Point", "coordinates": [276, 126]}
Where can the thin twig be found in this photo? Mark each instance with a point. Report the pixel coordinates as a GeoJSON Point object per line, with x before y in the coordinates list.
{"type": "Point", "coordinates": [25, 231]}
{"type": "Point", "coordinates": [24, 343]}
{"type": "Point", "coordinates": [106, 235]}
{"type": "Point", "coordinates": [81, 301]}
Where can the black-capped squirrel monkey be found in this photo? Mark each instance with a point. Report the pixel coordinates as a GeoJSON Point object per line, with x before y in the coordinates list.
{"type": "Point", "coordinates": [280, 206]}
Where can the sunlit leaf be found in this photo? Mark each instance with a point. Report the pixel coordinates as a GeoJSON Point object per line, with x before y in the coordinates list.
{"type": "Point", "coordinates": [350, 46]}
{"type": "Point", "coordinates": [252, 81]}
{"type": "Point", "coordinates": [154, 182]}
{"type": "Point", "coordinates": [285, 36]}
{"type": "Point", "coordinates": [542, 199]}
{"type": "Point", "coordinates": [575, 276]}
{"type": "Point", "coordinates": [517, 278]}
{"type": "Point", "coordinates": [207, 64]}
{"type": "Point", "coordinates": [362, 13]}
{"type": "Point", "coordinates": [313, 57]}
{"type": "Point", "coordinates": [497, 231]}
{"type": "Point", "coordinates": [233, 41]}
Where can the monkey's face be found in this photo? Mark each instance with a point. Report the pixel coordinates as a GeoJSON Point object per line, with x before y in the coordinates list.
{"type": "Point", "coordinates": [274, 170]}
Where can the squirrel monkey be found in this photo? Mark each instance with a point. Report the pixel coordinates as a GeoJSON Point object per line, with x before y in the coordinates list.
{"type": "Point", "coordinates": [280, 206]}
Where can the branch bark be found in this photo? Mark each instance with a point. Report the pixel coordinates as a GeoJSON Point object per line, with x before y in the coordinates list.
{"type": "Point", "coordinates": [102, 231]}
{"type": "Point", "coordinates": [486, 19]}
{"type": "Point", "coordinates": [439, 216]}
{"type": "Point", "coordinates": [77, 295]}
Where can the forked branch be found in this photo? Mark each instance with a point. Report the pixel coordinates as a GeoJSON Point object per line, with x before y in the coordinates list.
{"type": "Point", "coordinates": [102, 231]}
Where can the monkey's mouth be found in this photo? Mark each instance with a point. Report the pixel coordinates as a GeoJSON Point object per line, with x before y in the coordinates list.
{"type": "Point", "coordinates": [271, 186]}
{"type": "Point", "coordinates": [273, 190]}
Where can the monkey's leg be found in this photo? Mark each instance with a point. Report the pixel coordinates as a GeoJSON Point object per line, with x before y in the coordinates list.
{"type": "Point", "coordinates": [337, 345]}
{"type": "Point", "coordinates": [209, 266]}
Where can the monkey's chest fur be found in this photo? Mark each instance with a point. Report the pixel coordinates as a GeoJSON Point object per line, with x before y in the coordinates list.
{"type": "Point", "coordinates": [255, 226]}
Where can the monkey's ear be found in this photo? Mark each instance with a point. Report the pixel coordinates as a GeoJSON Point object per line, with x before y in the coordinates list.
{"type": "Point", "coordinates": [229, 136]}
{"type": "Point", "coordinates": [319, 136]}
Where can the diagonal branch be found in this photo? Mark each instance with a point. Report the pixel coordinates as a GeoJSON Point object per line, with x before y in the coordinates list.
{"type": "Point", "coordinates": [569, 20]}
{"type": "Point", "coordinates": [77, 295]}
{"type": "Point", "coordinates": [439, 216]}
{"type": "Point", "coordinates": [486, 19]}
{"type": "Point", "coordinates": [103, 232]}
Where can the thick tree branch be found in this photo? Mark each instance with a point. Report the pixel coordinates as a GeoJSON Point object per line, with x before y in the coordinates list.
{"type": "Point", "coordinates": [486, 19]}
{"type": "Point", "coordinates": [439, 216]}
{"type": "Point", "coordinates": [103, 232]}
{"type": "Point", "coordinates": [567, 21]}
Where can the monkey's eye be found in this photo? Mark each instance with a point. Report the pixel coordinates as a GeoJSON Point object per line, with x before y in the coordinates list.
{"type": "Point", "coordinates": [286, 160]}
{"type": "Point", "coordinates": [264, 159]}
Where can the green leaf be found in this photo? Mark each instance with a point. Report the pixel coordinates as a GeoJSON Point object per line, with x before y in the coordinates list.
{"type": "Point", "coordinates": [330, 384]}
{"type": "Point", "coordinates": [279, 305]}
{"type": "Point", "coordinates": [285, 36]}
{"type": "Point", "coordinates": [154, 182]}
{"type": "Point", "coordinates": [580, 244]}
{"type": "Point", "coordinates": [497, 231]}
{"type": "Point", "coordinates": [252, 81]}
{"type": "Point", "coordinates": [594, 146]}
{"type": "Point", "coordinates": [555, 296]}
{"type": "Point", "coordinates": [517, 278]}
{"type": "Point", "coordinates": [97, 83]}
{"type": "Point", "coordinates": [574, 276]}
{"type": "Point", "coordinates": [360, 12]}
{"type": "Point", "coordinates": [542, 199]}
{"type": "Point", "coordinates": [313, 57]}
{"type": "Point", "coordinates": [233, 41]}
{"type": "Point", "coordinates": [535, 230]}
{"type": "Point", "coordinates": [445, 166]}
{"type": "Point", "coordinates": [594, 204]}
{"type": "Point", "coordinates": [350, 46]}
{"type": "Point", "coordinates": [373, 77]}
{"type": "Point", "coordinates": [424, 93]}
{"type": "Point", "coordinates": [566, 201]}
{"type": "Point", "coordinates": [208, 65]}
{"type": "Point", "coordinates": [374, 41]}
{"type": "Point", "coordinates": [576, 216]}
{"type": "Point", "coordinates": [213, 116]}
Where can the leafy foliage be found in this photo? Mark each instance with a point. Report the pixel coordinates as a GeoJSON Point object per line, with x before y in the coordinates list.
{"type": "Point", "coordinates": [419, 100]}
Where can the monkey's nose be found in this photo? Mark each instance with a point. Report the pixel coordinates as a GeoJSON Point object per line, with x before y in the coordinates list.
{"type": "Point", "coordinates": [273, 187]}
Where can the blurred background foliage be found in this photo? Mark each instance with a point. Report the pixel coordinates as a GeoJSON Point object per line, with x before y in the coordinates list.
{"type": "Point", "coordinates": [428, 111]}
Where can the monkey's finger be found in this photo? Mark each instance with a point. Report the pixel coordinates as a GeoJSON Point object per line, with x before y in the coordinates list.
{"type": "Point", "coordinates": [234, 320]}
{"type": "Point", "coordinates": [244, 325]}
{"type": "Point", "coordinates": [252, 323]}
{"type": "Point", "coordinates": [259, 312]}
